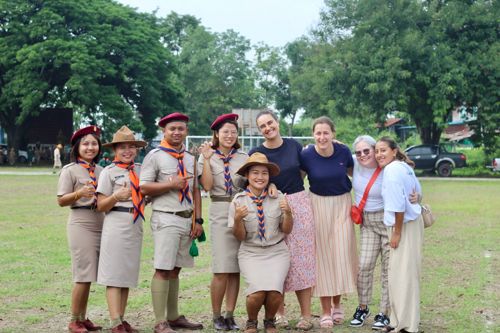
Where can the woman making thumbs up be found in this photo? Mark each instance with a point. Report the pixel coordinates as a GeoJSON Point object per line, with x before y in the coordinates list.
{"type": "Point", "coordinates": [260, 222]}
{"type": "Point", "coordinates": [120, 197]}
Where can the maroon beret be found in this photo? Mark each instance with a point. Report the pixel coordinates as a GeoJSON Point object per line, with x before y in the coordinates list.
{"type": "Point", "coordinates": [92, 129]}
{"type": "Point", "coordinates": [176, 116]}
{"type": "Point", "coordinates": [222, 119]}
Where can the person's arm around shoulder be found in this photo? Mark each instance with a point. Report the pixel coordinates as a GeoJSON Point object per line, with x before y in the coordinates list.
{"type": "Point", "coordinates": [287, 218]}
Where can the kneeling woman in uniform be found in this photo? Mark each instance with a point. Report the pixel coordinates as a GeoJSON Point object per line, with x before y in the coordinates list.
{"type": "Point", "coordinates": [120, 197]}
{"type": "Point", "coordinates": [260, 223]}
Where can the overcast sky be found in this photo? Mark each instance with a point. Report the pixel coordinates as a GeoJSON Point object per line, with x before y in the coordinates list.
{"type": "Point", "coordinates": [275, 22]}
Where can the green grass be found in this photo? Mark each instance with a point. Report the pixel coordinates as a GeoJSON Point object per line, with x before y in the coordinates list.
{"type": "Point", "coordinates": [459, 283]}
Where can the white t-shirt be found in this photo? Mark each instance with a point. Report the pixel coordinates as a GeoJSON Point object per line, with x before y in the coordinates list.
{"type": "Point", "coordinates": [360, 178]}
{"type": "Point", "coordinates": [398, 183]}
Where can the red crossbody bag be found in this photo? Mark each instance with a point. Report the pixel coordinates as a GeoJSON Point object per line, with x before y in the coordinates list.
{"type": "Point", "coordinates": [357, 211]}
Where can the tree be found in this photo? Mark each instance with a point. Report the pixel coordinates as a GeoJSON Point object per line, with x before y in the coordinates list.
{"type": "Point", "coordinates": [100, 58]}
{"type": "Point", "coordinates": [216, 75]}
{"type": "Point", "coordinates": [423, 58]}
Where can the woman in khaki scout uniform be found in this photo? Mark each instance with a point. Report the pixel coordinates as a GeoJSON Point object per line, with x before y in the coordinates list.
{"type": "Point", "coordinates": [219, 161]}
{"type": "Point", "coordinates": [77, 188]}
{"type": "Point", "coordinates": [260, 223]}
{"type": "Point", "coordinates": [120, 197]}
{"type": "Point", "coordinates": [167, 176]}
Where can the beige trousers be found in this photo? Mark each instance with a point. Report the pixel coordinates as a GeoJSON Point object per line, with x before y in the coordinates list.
{"type": "Point", "coordinates": [405, 265]}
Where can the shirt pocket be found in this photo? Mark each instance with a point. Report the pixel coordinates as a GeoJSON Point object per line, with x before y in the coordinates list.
{"type": "Point", "coordinates": [251, 221]}
{"type": "Point", "coordinates": [81, 182]}
{"type": "Point", "coordinates": [273, 219]}
{"type": "Point", "coordinates": [167, 173]}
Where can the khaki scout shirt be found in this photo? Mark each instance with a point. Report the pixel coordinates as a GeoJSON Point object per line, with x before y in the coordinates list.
{"type": "Point", "coordinates": [217, 167]}
{"type": "Point", "coordinates": [112, 179]}
{"type": "Point", "coordinates": [158, 166]}
{"type": "Point", "coordinates": [273, 218]}
{"type": "Point", "coordinates": [72, 178]}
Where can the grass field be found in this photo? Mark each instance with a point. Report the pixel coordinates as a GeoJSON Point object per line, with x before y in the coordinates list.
{"type": "Point", "coordinates": [460, 287]}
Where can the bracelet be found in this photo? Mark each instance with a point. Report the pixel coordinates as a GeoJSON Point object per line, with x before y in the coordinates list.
{"type": "Point", "coordinates": [76, 196]}
{"type": "Point", "coordinates": [114, 197]}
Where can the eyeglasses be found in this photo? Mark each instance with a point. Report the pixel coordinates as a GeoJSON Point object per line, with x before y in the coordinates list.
{"type": "Point", "coordinates": [362, 152]}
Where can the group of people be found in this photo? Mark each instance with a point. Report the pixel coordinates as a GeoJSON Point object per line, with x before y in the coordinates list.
{"type": "Point", "coordinates": [264, 226]}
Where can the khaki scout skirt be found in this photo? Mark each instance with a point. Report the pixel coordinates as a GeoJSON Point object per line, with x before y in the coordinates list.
{"type": "Point", "coordinates": [264, 268]}
{"type": "Point", "coordinates": [224, 245]}
{"type": "Point", "coordinates": [121, 245]}
{"type": "Point", "coordinates": [84, 239]}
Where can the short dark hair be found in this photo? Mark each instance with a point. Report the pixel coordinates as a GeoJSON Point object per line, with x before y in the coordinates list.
{"type": "Point", "coordinates": [74, 149]}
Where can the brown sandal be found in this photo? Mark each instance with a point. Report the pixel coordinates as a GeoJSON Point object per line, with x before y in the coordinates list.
{"type": "Point", "coordinates": [251, 326]}
{"type": "Point", "coordinates": [270, 326]}
{"type": "Point", "coordinates": [304, 324]}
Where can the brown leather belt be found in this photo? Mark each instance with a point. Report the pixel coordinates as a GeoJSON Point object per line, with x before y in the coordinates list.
{"type": "Point", "coordinates": [123, 209]}
{"type": "Point", "coordinates": [221, 199]}
{"type": "Point", "coordinates": [184, 213]}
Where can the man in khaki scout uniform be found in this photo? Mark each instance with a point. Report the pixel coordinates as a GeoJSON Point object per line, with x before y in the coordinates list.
{"type": "Point", "coordinates": [167, 177]}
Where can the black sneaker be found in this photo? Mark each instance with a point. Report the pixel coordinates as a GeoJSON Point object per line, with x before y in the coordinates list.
{"type": "Point", "coordinates": [359, 317]}
{"type": "Point", "coordinates": [220, 324]}
{"type": "Point", "coordinates": [380, 321]}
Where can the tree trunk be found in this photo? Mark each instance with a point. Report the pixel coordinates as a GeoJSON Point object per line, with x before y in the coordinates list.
{"type": "Point", "coordinates": [429, 134]}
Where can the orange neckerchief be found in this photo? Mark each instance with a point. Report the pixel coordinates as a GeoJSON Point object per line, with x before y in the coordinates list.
{"type": "Point", "coordinates": [181, 170]}
{"type": "Point", "coordinates": [90, 168]}
{"type": "Point", "coordinates": [137, 197]}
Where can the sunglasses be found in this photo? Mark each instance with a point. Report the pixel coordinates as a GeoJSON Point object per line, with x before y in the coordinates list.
{"type": "Point", "coordinates": [362, 152]}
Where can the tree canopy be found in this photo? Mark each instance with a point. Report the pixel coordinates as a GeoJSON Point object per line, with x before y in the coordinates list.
{"type": "Point", "coordinates": [102, 59]}
{"type": "Point", "coordinates": [422, 58]}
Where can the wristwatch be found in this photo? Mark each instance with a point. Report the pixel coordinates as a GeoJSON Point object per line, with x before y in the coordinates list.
{"type": "Point", "coordinates": [199, 221]}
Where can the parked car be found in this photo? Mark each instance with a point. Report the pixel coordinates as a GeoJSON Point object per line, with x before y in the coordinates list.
{"type": "Point", "coordinates": [495, 164]}
{"type": "Point", "coordinates": [22, 155]}
{"type": "Point", "coordinates": [436, 158]}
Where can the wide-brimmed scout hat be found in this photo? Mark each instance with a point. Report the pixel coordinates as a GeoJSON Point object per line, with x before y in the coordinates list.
{"type": "Point", "coordinates": [259, 159]}
{"type": "Point", "coordinates": [92, 129]}
{"type": "Point", "coordinates": [125, 135]}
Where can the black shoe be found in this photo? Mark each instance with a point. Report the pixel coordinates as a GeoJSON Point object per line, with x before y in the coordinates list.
{"type": "Point", "coordinates": [231, 324]}
{"type": "Point", "coordinates": [359, 317]}
{"type": "Point", "coordinates": [380, 321]}
{"type": "Point", "coordinates": [220, 324]}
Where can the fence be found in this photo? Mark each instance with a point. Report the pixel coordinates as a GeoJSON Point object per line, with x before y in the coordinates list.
{"type": "Point", "coordinates": [247, 142]}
